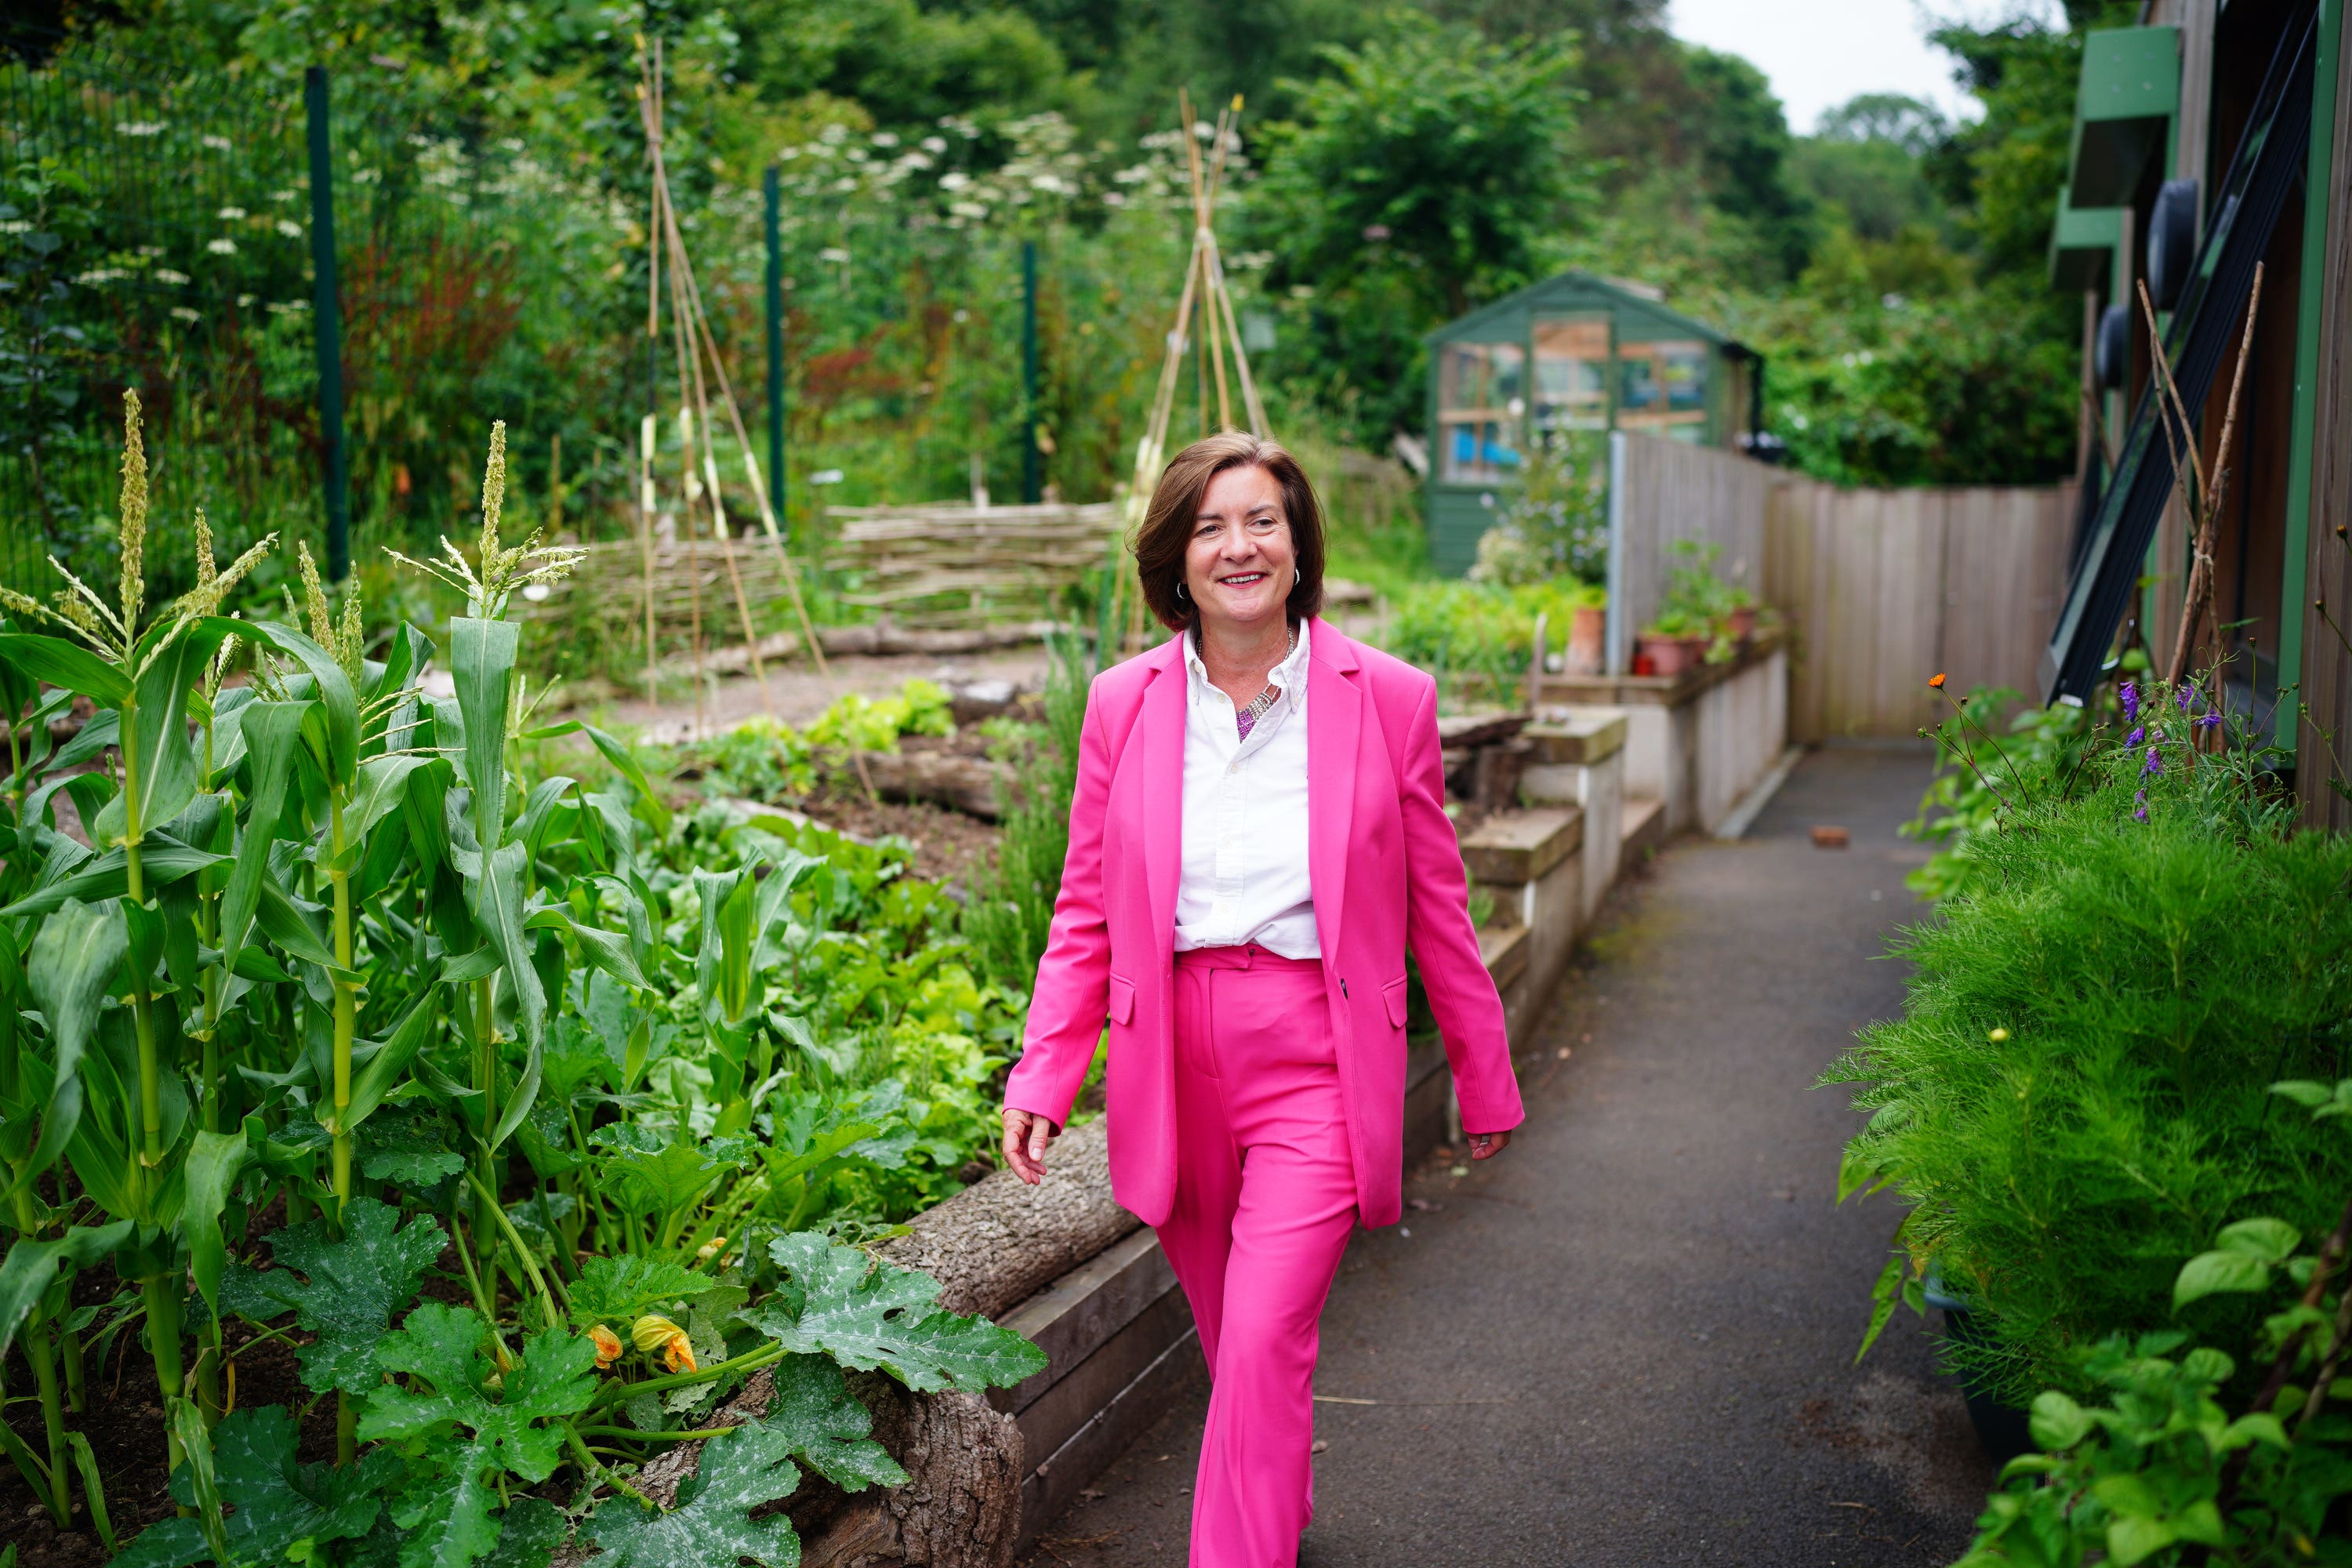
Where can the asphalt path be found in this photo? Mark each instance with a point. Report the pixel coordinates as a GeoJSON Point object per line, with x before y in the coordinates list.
{"type": "Point", "coordinates": [1630, 1341]}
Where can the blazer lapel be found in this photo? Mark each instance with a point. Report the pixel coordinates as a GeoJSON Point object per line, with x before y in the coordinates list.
{"type": "Point", "coordinates": [1335, 719]}
{"type": "Point", "coordinates": [1163, 792]}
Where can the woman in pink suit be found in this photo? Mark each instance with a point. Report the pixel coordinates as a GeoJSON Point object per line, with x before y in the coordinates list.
{"type": "Point", "coordinates": [1258, 836]}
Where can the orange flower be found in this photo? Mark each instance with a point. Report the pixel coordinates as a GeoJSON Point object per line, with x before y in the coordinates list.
{"type": "Point", "coordinates": [655, 1332]}
{"type": "Point", "coordinates": [609, 1348]}
{"type": "Point", "coordinates": [1936, 680]}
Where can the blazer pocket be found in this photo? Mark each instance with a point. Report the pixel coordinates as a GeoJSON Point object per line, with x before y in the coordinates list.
{"type": "Point", "coordinates": [1122, 1001]}
{"type": "Point", "coordinates": [1395, 994]}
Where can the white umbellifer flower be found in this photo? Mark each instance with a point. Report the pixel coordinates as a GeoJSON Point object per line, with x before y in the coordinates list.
{"type": "Point", "coordinates": [833, 254]}
{"type": "Point", "coordinates": [181, 312]}
{"type": "Point", "coordinates": [231, 214]}
{"type": "Point", "coordinates": [217, 143]}
{"type": "Point", "coordinates": [885, 139]}
{"type": "Point", "coordinates": [16, 226]}
{"type": "Point", "coordinates": [967, 209]}
{"type": "Point", "coordinates": [289, 228]}
{"type": "Point", "coordinates": [141, 128]}
{"type": "Point", "coordinates": [170, 274]}
{"type": "Point", "coordinates": [935, 144]}
{"type": "Point", "coordinates": [954, 180]}
{"type": "Point", "coordinates": [222, 247]}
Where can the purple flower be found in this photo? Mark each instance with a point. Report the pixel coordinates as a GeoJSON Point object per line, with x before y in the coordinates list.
{"type": "Point", "coordinates": [2136, 736]}
{"type": "Point", "coordinates": [2208, 720]}
{"type": "Point", "coordinates": [2131, 703]}
{"type": "Point", "coordinates": [2186, 695]}
{"type": "Point", "coordinates": [2140, 802]}
{"type": "Point", "coordinates": [2154, 763]}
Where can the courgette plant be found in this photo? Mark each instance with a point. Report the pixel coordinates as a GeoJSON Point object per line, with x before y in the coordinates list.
{"type": "Point", "coordinates": [282, 928]}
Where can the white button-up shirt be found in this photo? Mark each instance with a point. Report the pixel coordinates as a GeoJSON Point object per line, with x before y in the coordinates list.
{"type": "Point", "coordinates": [1245, 875]}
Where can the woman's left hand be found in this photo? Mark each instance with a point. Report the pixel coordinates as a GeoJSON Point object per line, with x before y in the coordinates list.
{"type": "Point", "coordinates": [1486, 1145]}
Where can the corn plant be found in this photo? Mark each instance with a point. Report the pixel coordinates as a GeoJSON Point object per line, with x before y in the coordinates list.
{"type": "Point", "coordinates": [282, 926]}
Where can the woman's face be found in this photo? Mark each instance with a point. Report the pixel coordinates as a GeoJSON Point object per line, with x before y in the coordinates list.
{"type": "Point", "coordinates": [1241, 563]}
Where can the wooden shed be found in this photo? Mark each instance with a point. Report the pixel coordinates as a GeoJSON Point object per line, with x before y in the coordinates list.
{"type": "Point", "coordinates": [1573, 353]}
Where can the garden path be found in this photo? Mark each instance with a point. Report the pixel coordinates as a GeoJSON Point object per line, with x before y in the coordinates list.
{"type": "Point", "coordinates": [1630, 1340]}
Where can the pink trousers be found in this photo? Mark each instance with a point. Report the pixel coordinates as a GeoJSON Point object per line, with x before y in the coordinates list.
{"type": "Point", "coordinates": [1266, 1198]}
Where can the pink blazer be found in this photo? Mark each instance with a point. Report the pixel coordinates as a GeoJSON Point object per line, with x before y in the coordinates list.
{"type": "Point", "coordinates": [1386, 871]}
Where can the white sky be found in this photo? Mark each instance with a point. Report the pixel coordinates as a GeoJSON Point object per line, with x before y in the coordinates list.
{"type": "Point", "coordinates": [1818, 53]}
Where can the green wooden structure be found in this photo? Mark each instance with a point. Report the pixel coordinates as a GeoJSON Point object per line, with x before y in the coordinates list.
{"type": "Point", "coordinates": [1574, 354]}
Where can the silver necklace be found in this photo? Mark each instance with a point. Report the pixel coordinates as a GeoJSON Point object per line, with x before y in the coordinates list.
{"type": "Point", "coordinates": [1247, 719]}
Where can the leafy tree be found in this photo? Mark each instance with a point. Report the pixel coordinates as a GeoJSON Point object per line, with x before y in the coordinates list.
{"type": "Point", "coordinates": [1428, 172]}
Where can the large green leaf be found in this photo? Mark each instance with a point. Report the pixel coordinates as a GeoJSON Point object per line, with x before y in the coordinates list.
{"type": "Point", "coordinates": [618, 1290]}
{"type": "Point", "coordinates": [481, 662]}
{"type": "Point", "coordinates": [442, 1351]}
{"type": "Point", "coordinates": [711, 1524]}
{"type": "Point", "coordinates": [344, 1291]}
{"type": "Point", "coordinates": [276, 1500]}
{"type": "Point", "coordinates": [32, 1268]}
{"type": "Point", "coordinates": [828, 1427]}
{"type": "Point", "coordinates": [339, 708]}
{"type": "Point", "coordinates": [528, 1533]}
{"type": "Point", "coordinates": [65, 664]}
{"type": "Point", "coordinates": [839, 1301]}
{"type": "Point", "coordinates": [445, 1514]}
{"type": "Point", "coordinates": [661, 1176]}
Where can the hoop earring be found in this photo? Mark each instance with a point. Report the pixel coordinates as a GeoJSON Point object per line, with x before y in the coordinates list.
{"type": "Point", "coordinates": [1179, 589]}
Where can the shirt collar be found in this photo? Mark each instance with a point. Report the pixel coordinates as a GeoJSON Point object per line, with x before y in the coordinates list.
{"type": "Point", "coordinates": [1290, 674]}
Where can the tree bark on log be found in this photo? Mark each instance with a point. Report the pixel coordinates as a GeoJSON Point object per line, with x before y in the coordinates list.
{"type": "Point", "coordinates": [999, 1242]}
{"type": "Point", "coordinates": [961, 1507]}
{"type": "Point", "coordinates": [974, 786]}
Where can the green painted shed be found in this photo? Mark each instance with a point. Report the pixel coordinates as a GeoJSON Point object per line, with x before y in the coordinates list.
{"type": "Point", "coordinates": [1573, 353]}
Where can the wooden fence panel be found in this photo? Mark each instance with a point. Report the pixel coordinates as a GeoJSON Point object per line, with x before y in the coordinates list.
{"type": "Point", "coordinates": [1668, 492]}
{"type": "Point", "coordinates": [1886, 587]}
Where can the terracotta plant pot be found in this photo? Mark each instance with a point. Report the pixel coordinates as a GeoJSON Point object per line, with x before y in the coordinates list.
{"type": "Point", "coordinates": [1667, 656]}
{"type": "Point", "coordinates": [1741, 623]}
{"type": "Point", "coordinates": [1586, 631]}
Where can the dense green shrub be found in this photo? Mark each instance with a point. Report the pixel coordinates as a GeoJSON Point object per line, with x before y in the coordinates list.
{"type": "Point", "coordinates": [2076, 1098]}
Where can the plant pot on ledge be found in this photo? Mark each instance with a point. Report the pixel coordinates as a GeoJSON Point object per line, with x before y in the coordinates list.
{"type": "Point", "coordinates": [1587, 629]}
{"type": "Point", "coordinates": [1666, 653]}
{"type": "Point", "coordinates": [2001, 1427]}
{"type": "Point", "coordinates": [1741, 623]}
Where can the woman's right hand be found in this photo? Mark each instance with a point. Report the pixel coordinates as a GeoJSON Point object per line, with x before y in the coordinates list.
{"type": "Point", "coordinates": [1026, 1136]}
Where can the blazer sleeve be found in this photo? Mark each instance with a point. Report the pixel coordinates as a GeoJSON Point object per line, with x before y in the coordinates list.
{"type": "Point", "coordinates": [1443, 941]}
{"type": "Point", "coordinates": [1072, 996]}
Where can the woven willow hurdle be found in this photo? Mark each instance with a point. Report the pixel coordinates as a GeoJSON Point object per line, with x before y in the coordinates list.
{"type": "Point", "coordinates": [957, 565]}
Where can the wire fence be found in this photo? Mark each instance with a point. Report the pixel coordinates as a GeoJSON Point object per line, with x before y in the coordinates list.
{"type": "Point", "coordinates": [158, 231]}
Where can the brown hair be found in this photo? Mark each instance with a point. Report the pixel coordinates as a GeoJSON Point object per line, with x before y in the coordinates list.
{"type": "Point", "coordinates": [1175, 506]}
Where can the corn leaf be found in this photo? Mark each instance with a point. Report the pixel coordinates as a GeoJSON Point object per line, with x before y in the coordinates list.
{"type": "Point", "coordinates": [214, 1162]}
{"type": "Point", "coordinates": [65, 664]}
{"type": "Point", "coordinates": [32, 1268]}
{"type": "Point", "coordinates": [339, 708]}
{"type": "Point", "coordinates": [482, 660]}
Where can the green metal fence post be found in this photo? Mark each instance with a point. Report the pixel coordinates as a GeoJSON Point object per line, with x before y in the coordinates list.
{"type": "Point", "coordinates": [327, 313]}
{"type": "Point", "coordinates": [773, 202]}
{"type": "Point", "coordinates": [1031, 478]}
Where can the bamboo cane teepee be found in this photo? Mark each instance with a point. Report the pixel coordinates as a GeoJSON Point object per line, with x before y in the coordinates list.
{"type": "Point", "coordinates": [697, 351]}
{"type": "Point", "coordinates": [1205, 329]}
